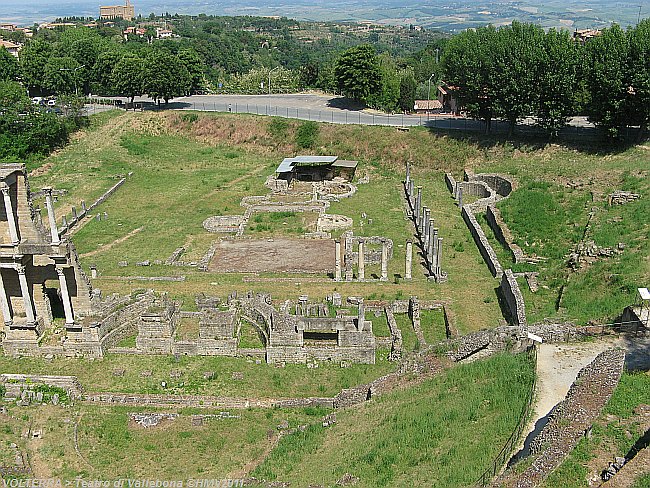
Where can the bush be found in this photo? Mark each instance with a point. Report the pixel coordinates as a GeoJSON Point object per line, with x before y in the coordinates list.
{"type": "Point", "coordinates": [307, 135]}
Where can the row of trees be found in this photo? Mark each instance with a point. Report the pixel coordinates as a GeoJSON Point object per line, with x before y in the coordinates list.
{"type": "Point", "coordinates": [520, 71]}
{"type": "Point", "coordinates": [81, 61]}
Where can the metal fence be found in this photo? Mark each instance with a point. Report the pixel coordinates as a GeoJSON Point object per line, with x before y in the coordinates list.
{"type": "Point", "coordinates": [506, 451]}
{"type": "Point", "coordinates": [527, 127]}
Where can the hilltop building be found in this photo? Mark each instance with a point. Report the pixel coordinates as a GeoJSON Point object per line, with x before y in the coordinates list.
{"type": "Point", "coordinates": [126, 12]}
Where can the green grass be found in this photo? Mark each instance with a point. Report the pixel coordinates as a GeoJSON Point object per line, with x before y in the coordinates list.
{"type": "Point", "coordinates": [548, 217]}
{"type": "Point", "coordinates": [443, 432]}
{"type": "Point", "coordinates": [433, 327]}
{"type": "Point", "coordinates": [260, 380]}
{"type": "Point", "coordinates": [114, 447]}
{"type": "Point", "coordinates": [409, 339]}
{"type": "Point", "coordinates": [249, 336]}
{"type": "Point", "coordinates": [609, 433]}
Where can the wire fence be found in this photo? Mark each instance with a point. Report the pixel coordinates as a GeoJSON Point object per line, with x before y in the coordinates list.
{"type": "Point", "coordinates": [506, 451]}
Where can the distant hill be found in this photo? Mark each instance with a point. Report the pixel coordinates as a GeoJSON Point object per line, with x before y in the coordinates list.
{"type": "Point", "coordinates": [460, 15]}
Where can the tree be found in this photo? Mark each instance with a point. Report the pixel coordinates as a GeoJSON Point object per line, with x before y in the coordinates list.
{"type": "Point", "coordinates": [386, 96]}
{"type": "Point", "coordinates": [606, 73]}
{"type": "Point", "coordinates": [357, 72]}
{"type": "Point", "coordinates": [515, 53]}
{"type": "Point", "coordinates": [638, 76]}
{"type": "Point", "coordinates": [9, 69]}
{"type": "Point", "coordinates": [165, 76]}
{"type": "Point", "coordinates": [103, 70]}
{"type": "Point", "coordinates": [194, 66]}
{"type": "Point", "coordinates": [33, 58]}
{"type": "Point", "coordinates": [127, 77]}
{"type": "Point", "coordinates": [407, 87]}
{"type": "Point", "coordinates": [61, 75]}
{"type": "Point", "coordinates": [557, 81]}
{"type": "Point", "coordinates": [469, 66]}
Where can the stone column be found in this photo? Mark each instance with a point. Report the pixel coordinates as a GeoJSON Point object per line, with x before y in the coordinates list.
{"type": "Point", "coordinates": [411, 195]}
{"type": "Point", "coordinates": [460, 197]}
{"type": "Point", "coordinates": [4, 303]}
{"type": "Point", "coordinates": [337, 260]}
{"type": "Point", "coordinates": [93, 271]}
{"type": "Point", "coordinates": [439, 256]}
{"type": "Point", "coordinates": [408, 174]}
{"type": "Point", "coordinates": [384, 262]}
{"type": "Point", "coordinates": [434, 249]}
{"type": "Point", "coordinates": [83, 206]}
{"type": "Point", "coordinates": [361, 317]}
{"type": "Point", "coordinates": [432, 239]}
{"type": "Point", "coordinates": [74, 214]}
{"type": "Point", "coordinates": [39, 216]}
{"type": "Point", "coordinates": [65, 297]}
{"type": "Point", "coordinates": [361, 261]}
{"type": "Point", "coordinates": [418, 204]}
{"type": "Point", "coordinates": [27, 297]}
{"type": "Point", "coordinates": [409, 260]}
{"type": "Point", "coordinates": [9, 210]}
{"type": "Point", "coordinates": [425, 227]}
{"type": "Point", "coordinates": [50, 213]}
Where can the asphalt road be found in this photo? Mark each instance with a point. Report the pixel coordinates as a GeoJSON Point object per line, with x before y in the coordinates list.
{"type": "Point", "coordinates": [333, 109]}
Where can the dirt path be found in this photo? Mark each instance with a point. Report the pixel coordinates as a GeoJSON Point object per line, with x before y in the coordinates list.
{"type": "Point", "coordinates": [111, 244]}
{"type": "Point", "coordinates": [250, 466]}
{"type": "Point", "coordinates": [557, 368]}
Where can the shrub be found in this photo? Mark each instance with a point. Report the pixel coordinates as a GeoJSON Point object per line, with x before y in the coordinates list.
{"type": "Point", "coordinates": [307, 134]}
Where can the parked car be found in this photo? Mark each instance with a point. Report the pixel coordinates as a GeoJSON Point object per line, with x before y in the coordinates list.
{"type": "Point", "coordinates": [51, 103]}
{"type": "Point", "coordinates": [37, 100]}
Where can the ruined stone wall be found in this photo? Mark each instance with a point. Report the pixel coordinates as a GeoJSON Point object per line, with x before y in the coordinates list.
{"type": "Point", "coordinates": [68, 383]}
{"type": "Point", "coordinates": [513, 298]}
{"type": "Point", "coordinates": [484, 247]}
{"type": "Point", "coordinates": [502, 233]}
{"type": "Point", "coordinates": [493, 340]}
{"type": "Point", "coordinates": [570, 419]}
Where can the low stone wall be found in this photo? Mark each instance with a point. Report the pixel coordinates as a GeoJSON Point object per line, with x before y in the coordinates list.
{"type": "Point", "coordinates": [512, 295]}
{"type": "Point", "coordinates": [493, 340]}
{"type": "Point", "coordinates": [69, 383]}
{"type": "Point", "coordinates": [570, 419]}
{"type": "Point", "coordinates": [450, 181]}
{"type": "Point", "coordinates": [484, 247]}
{"type": "Point", "coordinates": [502, 233]}
{"type": "Point", "coordinates": [395, 335]}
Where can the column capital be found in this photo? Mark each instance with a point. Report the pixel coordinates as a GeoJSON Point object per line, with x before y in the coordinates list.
{"type": "Point", "coordinates": [4, 187]}
{"type": "Point", "coordinates": [20, 269]}
{"type": "Point", "coordinates": [47, 190]}
{"type": "Point", "coordinates": [60, 271]}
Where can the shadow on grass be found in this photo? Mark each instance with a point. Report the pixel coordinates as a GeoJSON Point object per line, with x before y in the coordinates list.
{"type": "Point", "coordinates": [588, 140]}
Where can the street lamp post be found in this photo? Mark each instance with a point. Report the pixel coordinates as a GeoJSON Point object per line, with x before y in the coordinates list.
{"type": "Point", "coordinates": [429, 96]}
{"type": "Point", "coordinates": [271, 71]}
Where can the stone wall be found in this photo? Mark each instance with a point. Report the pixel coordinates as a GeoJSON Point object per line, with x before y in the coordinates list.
{"type": "Point", "coordinates": [570, 419]}
{"type": "Point", "coordinates": [513, 298]}
{"type": "Point", "coordinates": [484, 247]}
{"type": "Point", "coordinates": [490, 341]}
{"type": "Point", "coordinates": [69, 383]}
{"type": "Point", "coordinates": [502, 233]}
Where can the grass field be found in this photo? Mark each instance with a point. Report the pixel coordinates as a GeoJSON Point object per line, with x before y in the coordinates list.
{"type": "Point", "coordinates": [260, 380]}
{"type": "Point", "coordinates": [443, 432]}
{"type": "Point", "coordinates": [111, 446]}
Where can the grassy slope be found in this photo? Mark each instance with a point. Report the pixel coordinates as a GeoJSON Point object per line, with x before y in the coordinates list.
{"type": "Point", "coordinates": [260, 380]}
{"type": "Point", "coordinates": [112, 447]}
{"type": "Point", "coordinates": [548, 216]}
{"type": "Point", "coordinates": [609, 434]}
{"type": "Point", "coordinates": [443, 432]}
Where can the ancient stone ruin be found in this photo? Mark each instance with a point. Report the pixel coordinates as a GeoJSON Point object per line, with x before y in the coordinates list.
{"type": "Point", "coordinates": [37, 267]}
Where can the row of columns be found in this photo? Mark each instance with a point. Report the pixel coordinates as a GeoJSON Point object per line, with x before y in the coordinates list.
{"type": "Point", "coordinates": [431, 243]}
{"type": "Point", "coordinates": [30, 311]}
{"type": "Point", "coordinates": [361, 261]}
